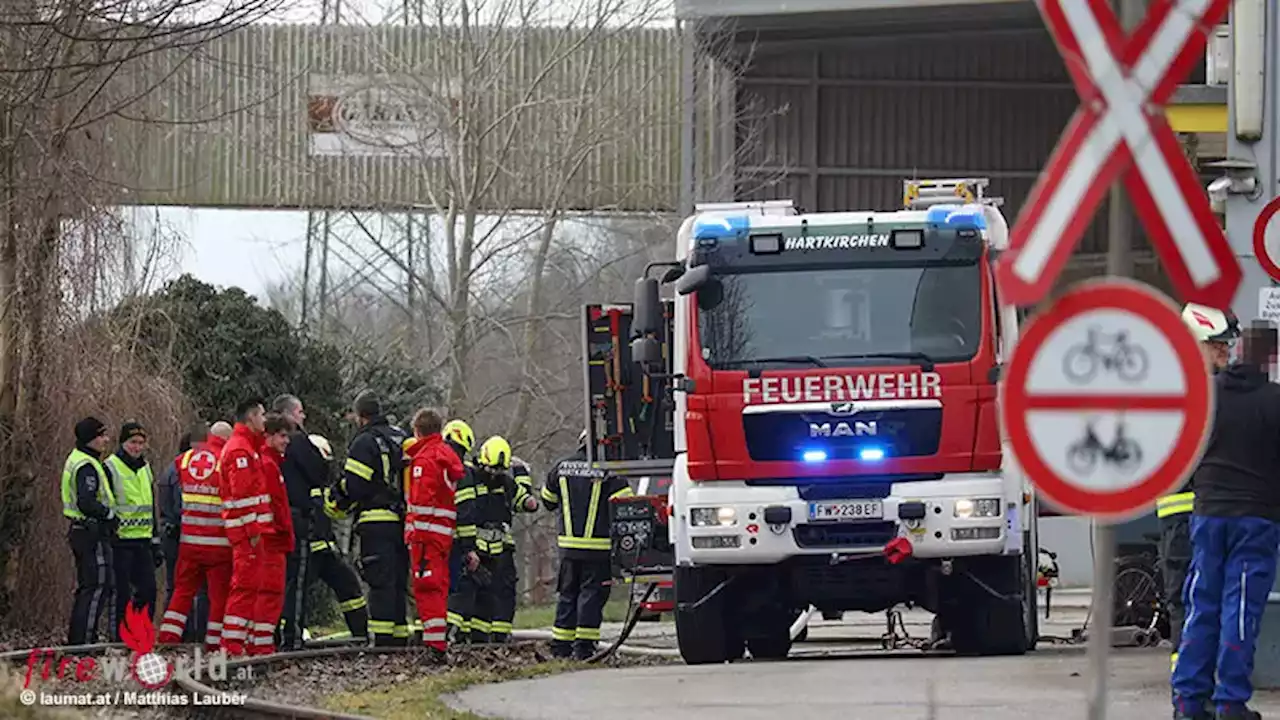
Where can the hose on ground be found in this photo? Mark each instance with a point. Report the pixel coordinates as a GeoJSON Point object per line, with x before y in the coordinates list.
{"type": "Point", "coordinates": [802, 622]}
{"type": "Point", "coordinates": [632, 618]}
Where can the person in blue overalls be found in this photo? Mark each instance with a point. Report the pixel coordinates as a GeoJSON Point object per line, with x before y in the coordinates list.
{"type": "Point", "coordinates": [1234, 538]}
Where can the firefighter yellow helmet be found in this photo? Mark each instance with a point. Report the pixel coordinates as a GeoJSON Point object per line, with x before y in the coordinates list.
{"type": "Point", "coordinates": [460, 433]}
{"type": "Point", "coordinates": [495, 453]}
{"type": "Point", "coordinates": [322, 444]}
{"type": "Point", "coordinates": [1210, 325]}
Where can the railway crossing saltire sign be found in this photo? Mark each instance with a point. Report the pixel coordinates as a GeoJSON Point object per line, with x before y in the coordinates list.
{"type": "Point", "coordinates": [1123, 81]}
{"type": "Point", "coordinates": [1107, 400]}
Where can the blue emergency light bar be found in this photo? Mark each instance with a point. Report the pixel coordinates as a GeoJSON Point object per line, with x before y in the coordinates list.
{"type": "Point", "coordinates": [716, 228]}
{"type": "Point", "coordinates": [956, 217]}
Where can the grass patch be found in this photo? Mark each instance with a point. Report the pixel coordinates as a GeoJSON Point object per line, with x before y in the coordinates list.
{"type": "Point", "coordinates": [544, 616]}
{"type": "Point", "coordinates": [421, 699]}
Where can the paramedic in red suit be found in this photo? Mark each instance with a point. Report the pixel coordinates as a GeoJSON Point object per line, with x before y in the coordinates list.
{"type": "Point", "coordinates": [204, 557]}
{"type": "Point", "coordinates": [244, 501]}
{"type": "Point", "coordinates": [434, 472]}
{"type": "Point", "coordinates": [276, 540]}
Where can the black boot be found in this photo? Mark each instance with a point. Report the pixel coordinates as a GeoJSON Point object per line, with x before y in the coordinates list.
{"type": "Point", "coordinates": [436, 656]}
{"type": "Point", "coordinates": [583, 650]}
{"type": "Point", "coordinates": [1238, 713]}
{"type": "Point", "coordinates": [561, 650]}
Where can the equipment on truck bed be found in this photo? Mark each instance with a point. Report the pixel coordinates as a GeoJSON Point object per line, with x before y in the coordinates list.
{"type": "Point", "coordinates": [628, 412]}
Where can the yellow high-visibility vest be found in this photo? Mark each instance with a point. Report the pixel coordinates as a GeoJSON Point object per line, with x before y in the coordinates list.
{"type": "Point", "coordinates": [132, 492]}
{"type": "Point", "coordinates": [76, 460]}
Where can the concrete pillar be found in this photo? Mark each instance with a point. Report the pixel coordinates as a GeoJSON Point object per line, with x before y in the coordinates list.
{"type": "Point", "coordinates": [1241, 215]}
{"type": "Point", "coordinates": [1242, 211]}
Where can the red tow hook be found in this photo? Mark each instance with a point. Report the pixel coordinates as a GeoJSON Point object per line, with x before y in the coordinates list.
{"type": "Point", "coordinates": [897, 550]}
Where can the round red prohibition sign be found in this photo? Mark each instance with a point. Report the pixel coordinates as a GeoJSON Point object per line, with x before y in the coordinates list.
{"type": "Point", "coordinates": [1266, 239]}
{"type": "Point", "coordinates": [1107, 399]}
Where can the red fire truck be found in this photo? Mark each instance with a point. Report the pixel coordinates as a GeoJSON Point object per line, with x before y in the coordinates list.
{"type": "Point", "coordinates": [822, 392]}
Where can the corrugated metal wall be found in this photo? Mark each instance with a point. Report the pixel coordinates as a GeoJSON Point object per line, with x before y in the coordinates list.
{"type": "Point", "coordinates": [841, 125]}
{"type": "Point", "coordinates": [228, 124]}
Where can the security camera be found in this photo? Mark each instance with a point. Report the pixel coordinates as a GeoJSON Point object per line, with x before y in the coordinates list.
{"type": "Point", "coordinates": [1218, 191]}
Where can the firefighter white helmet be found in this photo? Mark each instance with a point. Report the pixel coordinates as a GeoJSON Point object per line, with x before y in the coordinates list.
{"type": "Point", "coordinates": [326, 450]}
{"type": "Point", "coordinates": [1210, 325]}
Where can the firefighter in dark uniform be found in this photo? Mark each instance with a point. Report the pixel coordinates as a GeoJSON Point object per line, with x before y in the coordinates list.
{"type": "Point", "coordinates": [1216, 332]}
{"type": "Point", "coordinates": [474, 599]}
{"type": "Point", "coordinates": [518, 492]}
{"type": "Point", "coordinates": [88, 503]}
{"type": "Point", "coordinates": [465, 571]}
{"type": "Point", "coordinates": [582, 496]}
{"type": "Point", "coordinates": [315, 555]}
{"type": "Point", "coordinates": [370, 490]}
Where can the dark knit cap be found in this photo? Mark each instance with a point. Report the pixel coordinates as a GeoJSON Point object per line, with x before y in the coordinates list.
{"type": "Point", "coordinates": [367, 404]}
{"type": "Point", "coordinates": [88, 429]}
{"type": "Point", "coordinates": [131, 430]}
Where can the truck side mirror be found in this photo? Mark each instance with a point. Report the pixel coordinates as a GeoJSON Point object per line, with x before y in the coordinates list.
{"type": "Point", "coordinates": [647, 311]}
{"type": "Point", "coordinates": [693, 279]}
{"type": "Point", "coordinates": [647, 352]}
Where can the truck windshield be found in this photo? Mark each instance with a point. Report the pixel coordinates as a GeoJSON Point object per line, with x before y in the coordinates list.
{"type": "Point", "coordinates": [845, 317]}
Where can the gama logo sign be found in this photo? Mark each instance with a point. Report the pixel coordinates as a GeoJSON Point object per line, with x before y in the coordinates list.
{"type": "Point", "coordinates": [378, 115]}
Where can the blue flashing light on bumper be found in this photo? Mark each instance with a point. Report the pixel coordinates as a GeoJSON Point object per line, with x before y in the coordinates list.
{"type": "Point", "coordinates": [866, 454]}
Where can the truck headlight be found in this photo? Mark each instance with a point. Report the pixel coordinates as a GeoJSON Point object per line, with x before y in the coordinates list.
{"type": "Point", "coordinates": [713, 517]}
{"type": "Point", "coordinates": [978, 508]}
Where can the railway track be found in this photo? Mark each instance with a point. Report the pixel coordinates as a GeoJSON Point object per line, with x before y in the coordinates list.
{"type": "Point", "coordinates": [256, 706]}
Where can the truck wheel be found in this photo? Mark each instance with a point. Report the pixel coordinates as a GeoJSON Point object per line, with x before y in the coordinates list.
{"type": "Point", "coordinates": [705, 635]}
{"type": "Point", "coordinates": [982, 624]}
{"type": "Point", "coordinates": [769, 636]}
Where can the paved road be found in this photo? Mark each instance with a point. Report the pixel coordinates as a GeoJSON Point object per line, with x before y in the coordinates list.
{"type": "Point", "coordinates": [836, 676]}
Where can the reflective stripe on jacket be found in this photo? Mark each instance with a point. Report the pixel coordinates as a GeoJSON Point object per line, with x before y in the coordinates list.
{"type": "Point", "coordinates": [582, 495]}
{"type": "Point", "coordinates": [1176, 504]}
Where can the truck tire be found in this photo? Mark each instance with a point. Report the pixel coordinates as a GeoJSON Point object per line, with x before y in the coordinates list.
{"type": "Point", "coordinates": [982, 624]}
{"type": "Point", "coordinates": [774, 646]}
{"type": "Point", "coordinates": [705, 635]}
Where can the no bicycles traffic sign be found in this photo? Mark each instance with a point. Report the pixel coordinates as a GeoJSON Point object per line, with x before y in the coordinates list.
{"type": "Point", "coordinates": [1107, 399]}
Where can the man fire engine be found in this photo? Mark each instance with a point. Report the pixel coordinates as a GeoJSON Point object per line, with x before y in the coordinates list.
{"type": "Point", "coordinates": [835, 423]}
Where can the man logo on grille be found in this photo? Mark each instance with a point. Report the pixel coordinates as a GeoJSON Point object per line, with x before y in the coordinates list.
{"type": "Point", "coordinates": [841, 409]}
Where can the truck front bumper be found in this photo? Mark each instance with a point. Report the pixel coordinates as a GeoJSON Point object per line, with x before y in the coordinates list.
{"type": "Point", "coordinates": [924, 512]}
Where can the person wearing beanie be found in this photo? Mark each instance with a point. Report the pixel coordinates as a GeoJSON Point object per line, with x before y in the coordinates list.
{"type": "Point", "coordinates": [371, 489]}
{"type": "Point", "coordinates": [88, 504]}
{"type": "Point", "coordinates": [137, 552]}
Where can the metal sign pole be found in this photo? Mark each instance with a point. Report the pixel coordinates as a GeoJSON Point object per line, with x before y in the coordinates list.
{"type": "Point", "coordinates": [1119, 264]}
{"type": "Point", "coordinates": [1104, 572]}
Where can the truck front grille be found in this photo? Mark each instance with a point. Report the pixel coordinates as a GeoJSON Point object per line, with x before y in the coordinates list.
{"type": "Point", "coordinates": [847, 535]}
